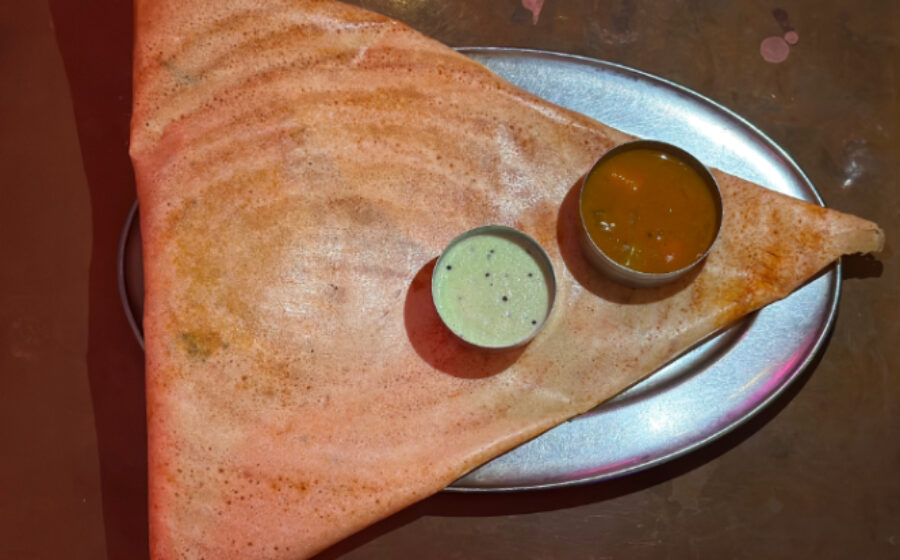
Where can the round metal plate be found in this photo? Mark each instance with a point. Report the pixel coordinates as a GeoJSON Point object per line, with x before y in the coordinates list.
{"type": "Point", "coordinates": [705, 392]}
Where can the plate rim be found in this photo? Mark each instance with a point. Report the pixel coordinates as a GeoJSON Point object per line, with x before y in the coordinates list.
{"type": "Point", "coordinates": [136, 328]}
{"type": "Point", "coordinates": [469, 50]}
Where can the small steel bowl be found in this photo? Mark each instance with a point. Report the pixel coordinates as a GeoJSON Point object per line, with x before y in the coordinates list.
{"type": "Point", "coordinates": [619, 272]}
{"type": "Point", "coordinates": [534, 250]}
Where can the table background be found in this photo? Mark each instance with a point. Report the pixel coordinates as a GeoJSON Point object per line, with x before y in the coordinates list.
{"type": "Point", "coordinates": [817, 474]}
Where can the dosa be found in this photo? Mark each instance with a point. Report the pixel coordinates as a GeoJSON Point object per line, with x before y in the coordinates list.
{"type": "Point", "coordinates": [299, 166]}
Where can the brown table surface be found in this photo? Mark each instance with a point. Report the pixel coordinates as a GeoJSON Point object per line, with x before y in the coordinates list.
{"type": "Point", "coordinates": [817, 474]}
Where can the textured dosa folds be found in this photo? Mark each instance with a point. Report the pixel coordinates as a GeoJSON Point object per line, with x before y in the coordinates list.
{"type": "Point", "coordinates": [299, 166]}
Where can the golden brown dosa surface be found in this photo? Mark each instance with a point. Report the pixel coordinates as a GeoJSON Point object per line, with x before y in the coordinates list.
{"type": "Point", "coordinates": [299, 166]}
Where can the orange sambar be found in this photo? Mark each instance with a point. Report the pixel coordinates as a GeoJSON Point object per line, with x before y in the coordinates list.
{"type": "Point", "coordinates": [648, 210]}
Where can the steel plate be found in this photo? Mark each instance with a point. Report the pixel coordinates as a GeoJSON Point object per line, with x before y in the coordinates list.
{"type": "Point", "coordinates": [707, 391]}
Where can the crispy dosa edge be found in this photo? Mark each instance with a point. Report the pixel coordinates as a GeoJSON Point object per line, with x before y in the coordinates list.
{"type": "Point", "coordinates": [223, 501]}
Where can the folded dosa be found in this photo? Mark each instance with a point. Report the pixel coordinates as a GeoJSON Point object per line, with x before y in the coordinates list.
{"type": "Point", "coordinates": [299, 166]}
